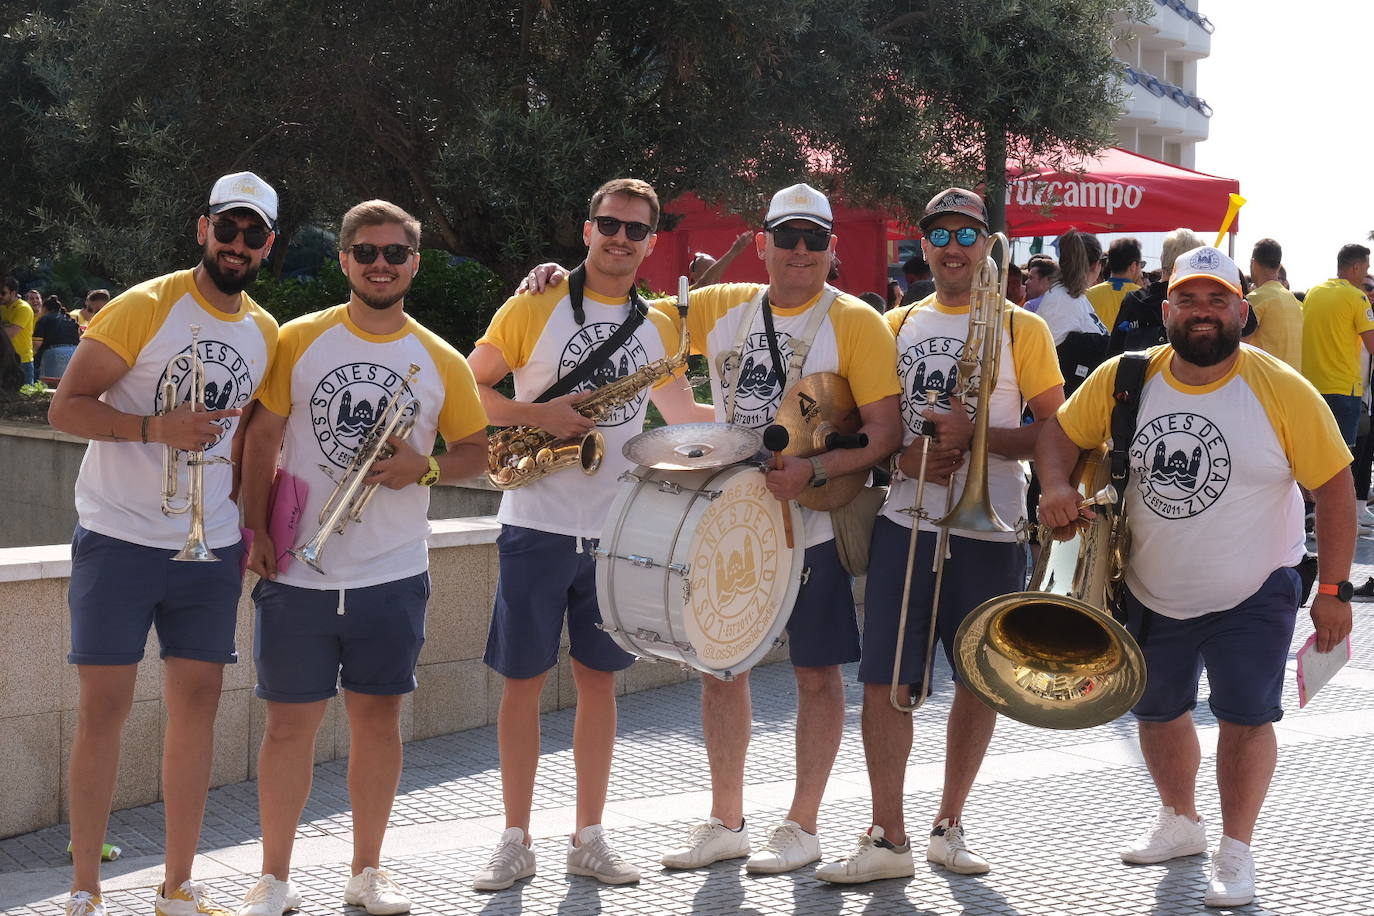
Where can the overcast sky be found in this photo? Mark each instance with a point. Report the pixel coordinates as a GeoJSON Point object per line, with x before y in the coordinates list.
{"type": "Point", "coordinates": [1289, 87]}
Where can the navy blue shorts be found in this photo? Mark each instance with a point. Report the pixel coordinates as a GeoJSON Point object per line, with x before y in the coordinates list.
{"type": "Point", "coordinates": [823, 629]}
{"type": "Point", "coordinates": [1346, 408]}
{"type": "Point", "coordinates": [975, 571]}
{"type": "Point", "coordinates": [1245, 652]}
{"type": "Point", "coordinates": [304, 648]}
{"type": "Point", "coordinates": [119, 590]}
{"type": "Point", "coordinates": [543, 576]}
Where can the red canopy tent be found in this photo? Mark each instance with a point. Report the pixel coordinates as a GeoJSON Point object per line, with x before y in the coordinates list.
{"type": "Point", "coordinates": [1117, 191]}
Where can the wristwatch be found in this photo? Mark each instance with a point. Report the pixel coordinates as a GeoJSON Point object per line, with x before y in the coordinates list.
{"type": "Point", "coordinates": [431, 477]}
{"type": "Point", "coordinates": [1343, 591]}
{"type": "Point", "coordinates": [818, 473]}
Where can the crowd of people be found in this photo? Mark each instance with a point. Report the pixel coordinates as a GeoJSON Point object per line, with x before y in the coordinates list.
{"type": "Point", "coordinates": [40, 331]}
{"type": "Point", "coordinates": [307, 421]}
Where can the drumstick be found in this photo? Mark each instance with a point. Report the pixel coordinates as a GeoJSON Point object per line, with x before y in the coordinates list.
{"type": "Point", "coordinates": [775, 439]}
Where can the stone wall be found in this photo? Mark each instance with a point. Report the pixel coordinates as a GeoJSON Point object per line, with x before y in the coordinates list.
{"type": "Point", "coordinates": [38, 689]}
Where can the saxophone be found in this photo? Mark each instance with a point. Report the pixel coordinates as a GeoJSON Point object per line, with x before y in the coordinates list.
{"type": "Point", "coordinates": [519, 455]}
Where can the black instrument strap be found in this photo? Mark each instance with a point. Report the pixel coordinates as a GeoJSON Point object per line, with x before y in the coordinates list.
{"type": "Point", "coordinates": [1130, 380]}
{"type": "Point", "coordinates": [772, 336]}
{"type": "Point", "coordinates": [583, 370]}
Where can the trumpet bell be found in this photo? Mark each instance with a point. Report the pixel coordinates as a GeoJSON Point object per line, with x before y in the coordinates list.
{"type": "Point", "coordinates": [1049, 660]}
{"type": "Point", "coordinates": [196, 552]}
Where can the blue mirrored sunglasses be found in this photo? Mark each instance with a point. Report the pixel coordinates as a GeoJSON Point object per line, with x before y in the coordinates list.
{"type": "Point", "coordinates": [966, 236]}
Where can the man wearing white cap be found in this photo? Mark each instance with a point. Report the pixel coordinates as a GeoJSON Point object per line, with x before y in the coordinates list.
{"type": "Point", "coordinates": [1223, 432]}
{"type": "Point", "coordinates": [124, 575]}
{"type": "Point", "coordinates": [747, 333]}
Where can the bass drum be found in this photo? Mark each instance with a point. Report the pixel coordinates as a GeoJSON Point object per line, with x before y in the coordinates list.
{"type": "Point", "coordinates": [693, 567]}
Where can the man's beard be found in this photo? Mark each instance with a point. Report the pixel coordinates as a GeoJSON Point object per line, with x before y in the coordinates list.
{"type": "Point", "coordinates": [230, 286]}
{"type": "Point", "coordinates": [1204, 353]}
{"type": "Point", "coordinates": [375, 300]}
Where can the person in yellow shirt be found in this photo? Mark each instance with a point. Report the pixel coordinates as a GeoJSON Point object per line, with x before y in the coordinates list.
{"type": "Point", "coordinates": [17, 317]}
{"type": "Point", "coordinates": [1214, 543]}
{"type": "Point", "coordinates": [1124, 264]}
{"type": "Point", "coordinates": [1278, 310]}
{"type": "Point", "coordinates": [1336, 319]}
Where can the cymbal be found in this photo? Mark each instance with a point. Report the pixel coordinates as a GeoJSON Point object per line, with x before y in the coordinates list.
{"type": "Point", "coordinates": [692, 446]}
{"type": "Point", "coordinates": [820, 404]}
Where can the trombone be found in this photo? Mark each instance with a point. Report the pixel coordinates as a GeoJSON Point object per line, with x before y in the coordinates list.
{"type": "Point", "coordinates": [174, 502]}
{"type": "Point", "coordinates": [351, 495]}
{"type": "Point", "coordinates": [980, 359]}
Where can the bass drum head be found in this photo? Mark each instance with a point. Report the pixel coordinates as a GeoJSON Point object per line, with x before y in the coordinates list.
{"type": "Point", "coordinates": [744, 578]}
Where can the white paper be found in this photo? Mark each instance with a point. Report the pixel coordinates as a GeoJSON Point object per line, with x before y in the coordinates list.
{"type": "Point", "coordinates": [1316, 668]}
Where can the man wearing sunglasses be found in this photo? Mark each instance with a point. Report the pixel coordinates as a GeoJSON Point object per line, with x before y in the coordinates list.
{"type": "Point", "coordinates": [360, 619]}
{"type": "Point", "coordinates": [930, 338]}
{"type": "Point", "coordinates": [123, 577]}
{"type": "Point", "coordinates": [546, 341]}
{"type": "Point", "coordinates": [732, 324]}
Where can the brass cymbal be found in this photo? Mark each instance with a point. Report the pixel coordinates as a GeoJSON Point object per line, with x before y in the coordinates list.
{"type": "Point", "coordinates": [693, 446]}
{"type": "Point", "coordinates": [820, 404]}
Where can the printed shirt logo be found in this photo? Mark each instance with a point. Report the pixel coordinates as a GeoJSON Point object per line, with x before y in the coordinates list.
{"type": "Point", "coordinates": [228, 380]}
{"type": "Point", "coordinates": [930, 364]}
{"type": "Point", "coordinates": [345, 404]}
{"type": "Point", "coordinates": [630, 357]}
{"type": "Point", "coordinates": [1181, 464]}
{"type": "Point", "coordinates": [760, 390]}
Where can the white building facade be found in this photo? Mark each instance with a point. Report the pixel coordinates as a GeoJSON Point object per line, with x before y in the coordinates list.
{"type": "Point", "coordinates": [1164, 117]}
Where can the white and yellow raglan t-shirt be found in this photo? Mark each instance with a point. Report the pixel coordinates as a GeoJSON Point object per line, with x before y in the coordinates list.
{"type": "Point", "coordinates": [930, 341]}
{"type": "Point", "coordinates": [119, 488]}
{"type": "Point", "coordinates": [331, 380]}
{"type": "Point", "coordinates": [1213, 506]}
{"type": "Point", "coordinates": [851, 341]}
{"type": "Point", "coordinates": [541, 341]}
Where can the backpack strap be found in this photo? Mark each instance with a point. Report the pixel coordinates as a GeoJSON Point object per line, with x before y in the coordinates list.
{"type": "Point", "coordinates": [1130, 380]}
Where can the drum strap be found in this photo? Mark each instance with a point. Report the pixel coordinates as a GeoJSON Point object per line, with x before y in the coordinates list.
{"type": "Point", "coordinates": [583, 370]}
{"type": "Point", "coordinates": [730, 366]}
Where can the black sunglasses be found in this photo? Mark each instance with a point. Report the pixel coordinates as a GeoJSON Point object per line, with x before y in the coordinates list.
{"type": "Point", "coordinates": [365, 253]}
{"type": "Point", "coordinates": [609, 226]}
{"type": "Point", "coordinates": [815, 239]}
{"type": "Point", "coordinates": [966, 236]}
{"type": "Point", "coordinates": [225, 232]}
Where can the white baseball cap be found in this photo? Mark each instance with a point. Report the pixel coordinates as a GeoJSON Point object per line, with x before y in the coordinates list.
{"type": "Point", "coordinates": [800, 201]}
{"type": "Point", "coordinates": [245, 190]}
{"type": "Point", "coordinates": [1206, 263]}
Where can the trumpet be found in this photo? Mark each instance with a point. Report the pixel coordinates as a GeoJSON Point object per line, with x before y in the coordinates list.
{"type": "Point", "coordinates": [351, 495]}
{"type": "Point", "coordinates": [192, 502]}
{"type": "Point", "coordinates": [981, 358]}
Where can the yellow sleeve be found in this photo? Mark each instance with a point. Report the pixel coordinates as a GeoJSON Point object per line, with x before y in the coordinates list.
{"type": "Point", "coordinates": [669, 331]}
{"type": "Point", "coordinates": [708, 305]}
{"type": "Point", "coordinates": [517, 324]}
{"type": "Point", "coordinates": [1032, 353]}
{"type": "Point", "coordinates": [1086, 417]}
{"type": "Point", "coordinates": [461, 414]}
{"type": "Point", "coordinates": [868, 350]}
{"type": "Point", "coordinates": [1306, 428]}
{"type": "Point", "coordinates": [1362, 314]}
{"type": "Point", "coordinates": [896, 317]}
{"type": "Point", "coordinates": [275, 391]}
{"type": "Point", "coordinates": [128, 321]}
{"type": "Point", "coordinates": [267, 326]}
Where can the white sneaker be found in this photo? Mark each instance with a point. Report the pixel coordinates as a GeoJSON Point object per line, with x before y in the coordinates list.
{"type": "Point", "coordinates": [373, 890]}
{"type": "Point", "coordinates": [873, 859]}
{"type": "Point", "coordinates": [1170, 836]}
{"type": "Point", "coordinates": [191, 899]}
{"type": "Point", "coordinates": [1233, 875]}
{"type": "Point", "coordinates": [84, 903]}
{"type": "Point", "coordinates": [790, 847]}
{"type": "Point", "coordinates": [709, 841]}
{"type": "Point", "coordinates": [947, 849]}
{"type": "Point", "coordinates": [594, 858]}
{"type": "Point", "coordinates": [512, 861]}
{"type": "Point", "coordinates": [270, 897]}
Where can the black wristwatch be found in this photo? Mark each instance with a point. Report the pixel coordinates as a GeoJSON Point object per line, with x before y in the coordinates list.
{"type": "Point", "coordinates": [1343, 591]}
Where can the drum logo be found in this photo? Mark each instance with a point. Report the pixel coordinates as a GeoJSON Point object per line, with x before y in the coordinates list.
{"type": "Point", "coordinates": [759, 390]}
{"type": "Point", "coordinates": [1181, 464]}
{"type": "Point", "coordinates": [629, 357]}
{"type": "Point", "coordinates": [737, 584]}
{"type": "Point", "coordinates": [228, 380]}
{"type": "Point", "coordinates": [929, 365]}
{"type": "Point", "coordinates": [345, 404]}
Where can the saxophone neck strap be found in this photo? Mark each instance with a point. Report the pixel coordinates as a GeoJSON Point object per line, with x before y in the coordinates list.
{"type": "Point", "coordinates": [582, 371]}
